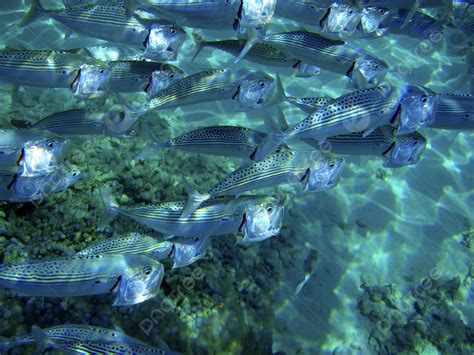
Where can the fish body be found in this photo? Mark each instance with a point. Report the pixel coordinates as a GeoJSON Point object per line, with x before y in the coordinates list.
{"type": "Point", "coordinates": [71, 3]}
{"type": "Point", "coordinates": [260, 53]}
{"type": "Point", "coordinates": [70, 332]}
{"type": "Point", "coordinates": [19, 188]}
{"type": "Point", "coordinates": [89, 122]}
{"type": "Point", "coordinates": [160, 39]}
{"type": "Point", "coordinates": [232, 141]}
{"type": "Point", "coordinates": [419, 26]}
{"type": "Point", "coordinates": [333, 55]}
{"type": "Point", "coordinates": [135, 277]}
{"type": "Point", "coordinates": [212, 14]}
{"type": "Point", "coordinates": [383, 142]}
{"type": "Point", "coordinates": [247, 87]}
{"type": "Point", "coordinates": [137, 75]}
{"type": "Point", "coordinates": [106, 347]}
{"type": "Point", "coordinates": [217, 216]}
{"type": "Point", "coordinates": [40, 68]}
{"type": "Point", "coordinates": [454, 111]}
{"type": "Point", "coordinates": [30, 153]}
{"type": "Point", "coordinates": [401, 4]}
{"type": "Point", "coordinates": [131, 243]}
{"type": "Point", "coordinates": [357, 111]}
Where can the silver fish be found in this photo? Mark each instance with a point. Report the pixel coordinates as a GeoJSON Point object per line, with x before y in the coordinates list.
{"type": "Point", "coordinates": [359, 111]}
{"type": "Point", "coordinates": [419, 25]}
{"type": "Point", "coordinates": [19, 188]}
{"type": "Point", "coordinates": [250, 89]}
{"type": "Point", "coordinates": [131, 243]}
{"type": "Point", "coordinates": [231, 141]}
{"type": "Point", "coordinates": [417, 109]}
{"type": "Point", "coordinates": [118, 121]}
{"type": "Point", "coordinates": [341, 19]}
{"type": "Point", "coordinates": [314, 171]}
{"type": "Point", "coordinates": [30, 153]}
{"type": "Point", "coordinates": [141, 75]}
{"type": "Point", "coordinates": [136, 278]}
{"type": "Point", "coordinates": [260, 53]}
{"type": "Point", "coordinates": [48, 338]}
{"type": "Point", "coordinates": [454, 111]}
{"type": "Point", "coordinates": [396, 150]}
{"type": "Point", "coordinates": [160, 40]}
{"type": "Point", "coordinates": [333, 55]}
{"type": "Point", "coordinates": [218, 216]}
{"type": "Point", "coordinates": [373, 17]}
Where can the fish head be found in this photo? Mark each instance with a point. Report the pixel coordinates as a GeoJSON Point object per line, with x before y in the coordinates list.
{"type": "Point", "coordinates": [373, 17]}
{"type": "Point", "coordinates": [188, 251]}
{"type": "Point", "coordinates": [61, 180]}
{"type": "Point", "coordinates": [257, 13]}
{"type": "Point", "coordinates": [92, 81]}
{"type": "Point", "coordinates": [341, 19]}
{"type": "Point", "coordinates": [161, 79]}
{"type": "Point", "coordinates": [407, 150]}
{"type": "Point", "coordinates": [119, 121]}
{"type": "Point", "coordinates": [257, 90]}
{"type": "Point", "coordinates": [139, 283]}
{"type": "Point", "coordinates": [263, 220]}
{"type": "Point", "coordinates": [324, 173]}
{"type": "Point", "coordinates": [42, 156]}
{"type": "Point", "coordinates": [164, 42]}
{"type": "Point", "coordinates": [417, 109]}
{"type": "Point", "coordinates": [368, 72]}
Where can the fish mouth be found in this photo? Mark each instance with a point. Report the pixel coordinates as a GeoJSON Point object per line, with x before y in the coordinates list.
{"type": "Point", "coordinates": [75, 82]}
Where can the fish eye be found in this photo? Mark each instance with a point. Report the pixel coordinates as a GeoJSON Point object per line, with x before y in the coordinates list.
{"type": "Point", "coordinates": [415, 142]}
{"type": "Point", "coordinates": [173, 31]}
{"type": "Point", "coordinates": [269, 208]}
{"type": "Point", "coordinates": [50, 144]}
{"type": "Point", "coordinates": [424, 99]}
{"type": "Point", "coordinates": [101, 71]}
{"type": "Point", "coordinates": [147, 270]}
{"type": "Point", "coordinates": [74, 174]}
{"type": "Point", "coordinates": [332, 165]}
{"type": "Point", "coordinates": [261, 83]}
{"type": "Point", "coordinates": [171, 75]}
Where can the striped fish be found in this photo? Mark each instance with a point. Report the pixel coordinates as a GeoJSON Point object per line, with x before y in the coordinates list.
{"type": "Point", "coordinates": [19, 188]}
{"type": "Point", "coordinates": [359, 111]}
{"type": "Point", "coordinates": [92, 81]}
{"type": "Point", "coordinates": [118, 121]}
{"type": "Point", "coordinates": [188, 250]}
{"type": "Point", "coordinates": [249, 88]}
{"type": "Point", "coordinates": [309, 104]}
{"type": "Point", "coordinates": [160, 40]}
{"type": "Point", "coordinates": [454, 111]}
{"type": "Point", "coordinates": [40, 68]}
{"type": "Point", "coordinates": [115, 347]}
{"type": "Point", "coordinates": [131, 243]}
{"type": "Point", "coordinates": [217, 216]}
{"type": "Point", "coordinates": [417, 108]}
{"type": "Point", "coordinates": [333, 55]}
{"type": "Point", "coordinates": [232, 141]}
{"type": "Point", "coordinates": [260, 53]}
{"type": "Point", "coordinates": [383, 142]}
{"type": "Point", "coordinates": [48, 338]}
{"type": "Point", "coordinates": [209, 14]}
{"type": "Point", "coordinates": [135, 278]}
{"type": "Point", "coordinates": [314, 171]}
{"type": "Point", "coordinates": [30, 152]}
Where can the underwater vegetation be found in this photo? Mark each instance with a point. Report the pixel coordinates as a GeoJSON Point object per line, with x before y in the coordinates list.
{"type": "Point", "coordinates": [236, 177]}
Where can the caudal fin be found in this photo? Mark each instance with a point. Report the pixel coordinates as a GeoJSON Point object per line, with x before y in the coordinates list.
{"type": "Point", "coordinates": [36, 10]}
{"type": "Point", "coordinates": [200, 44]}
{"type": "Point", "coordinates": [42, 340]}
{"type": "Point", "coordinates": [111, 207]}
{"type": "Point", "coordinates": [195, 199]}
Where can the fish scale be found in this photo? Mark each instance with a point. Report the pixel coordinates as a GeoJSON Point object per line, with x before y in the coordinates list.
{"type": "Point", "coordinates": [371, 107]}
{"type": "Point", "coordinates": [116, 347]}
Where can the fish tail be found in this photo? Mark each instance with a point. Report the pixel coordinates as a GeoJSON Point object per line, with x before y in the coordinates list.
{"type": "Point", "coordinates": [195, 199]}
{"type": "Point", "coordinates": [110, 204]}
{"type": "Point", "coordinates": [36, 10]}
{"type": "Point", "coordinates": [200, 44]}
{"type": "Point", "coordinates": [5, 345]}
{"type": "Point", "coordinates": [42, 340]}
{"type": "Point", "coordinates": [280, 90]}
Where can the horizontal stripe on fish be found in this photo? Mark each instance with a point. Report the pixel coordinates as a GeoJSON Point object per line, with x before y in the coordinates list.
{"type": "Point", "coordinates": [454, 112]}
